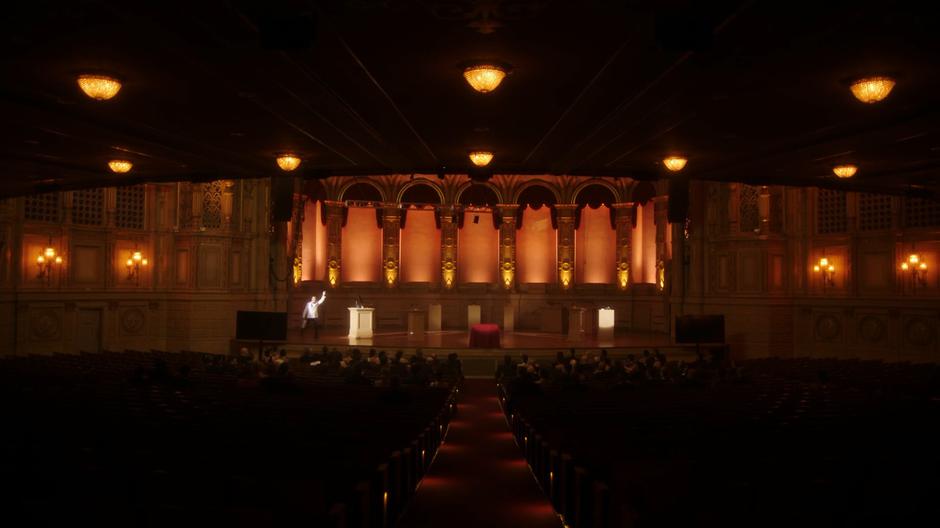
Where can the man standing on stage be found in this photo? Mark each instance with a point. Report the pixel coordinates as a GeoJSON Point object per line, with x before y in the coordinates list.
{"type": "Point", "coordinates": [312, 315]}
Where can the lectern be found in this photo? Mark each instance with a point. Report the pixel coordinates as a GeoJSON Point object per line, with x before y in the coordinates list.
{"type": "Point", "coordinates": [605, 324]}
{"type": "Point", "coordinates": [360, 322]}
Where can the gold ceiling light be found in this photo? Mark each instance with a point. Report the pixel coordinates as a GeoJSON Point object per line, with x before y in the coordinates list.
{"type": "Point", "coordinates": [484, 78]}
{"type": "Point", "coordinates": [481, 158]}
{"type": "Point", "coordinates": [288, 162]}
{"type": "Point", "coordinates": [872, 89]}
{"type": "Point", "coordinates": [675, 163]}
{"type": "Point", "coordinates": [99, 87]}
{"type": "Point", "coordinates": [120, 166]}
{"type": "Point", "coordinates": [845, 171]}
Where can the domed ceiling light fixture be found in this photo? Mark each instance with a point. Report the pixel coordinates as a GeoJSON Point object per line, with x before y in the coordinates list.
{"type": "Point", "coordinates": [99, 87]}
{"type": "Point", "coordinates": [485, 77]}
{"type": "Point", "coordinates": [845, 171]}
{"type": "Point", "coordinates": [481, 158]}
{"type": "Point", "coordinates": [675, 163]}
{"type": "Point", "coordinates": [288, 162]}
{"type": "Point", "coordinates": [120, 166]}
{"type": "Point", "coordinates": [872, 89]}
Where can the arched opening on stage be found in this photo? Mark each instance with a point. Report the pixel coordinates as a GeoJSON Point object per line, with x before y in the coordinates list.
{"type": "Point", "coordinates": [313, 240]}
{"type": "Point", "coordinates": [595, 242]}
{"type": "Point", "coordinates": [362, 234]}
{"type": "Point", "coordinates": [536, 237]}
{"type": "Point", "coordinates": [420, 245]}
{"type": "Point", "coordinates": [477, 235]}
{"type": "Point", "coordinates": [643, 237]}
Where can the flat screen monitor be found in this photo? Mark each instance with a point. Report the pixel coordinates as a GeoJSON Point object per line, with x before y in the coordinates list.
{"type": "Point", "coordinates": [700, 329]}
{"type": "Point", "coordinates": [261, 326]}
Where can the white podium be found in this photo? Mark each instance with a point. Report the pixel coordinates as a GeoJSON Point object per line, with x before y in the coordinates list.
{"type": "Point", "coordinates": [605, 324]}
{"type": "Point", "coordinates": [360, 322]}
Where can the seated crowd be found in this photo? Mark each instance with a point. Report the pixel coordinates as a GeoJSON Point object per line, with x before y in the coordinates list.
{"type": "Point", "coordinates": [598, 368]}
{"type": "Point", "coordinates": [157, 439]}
{"type": "Point", "coordinates": [765, 442]}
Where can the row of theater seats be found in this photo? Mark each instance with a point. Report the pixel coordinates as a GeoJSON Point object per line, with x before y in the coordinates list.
{"type": "Point", "coordinates": [794, 442]}
{"type": "Point", "coordinates": [160, 439]}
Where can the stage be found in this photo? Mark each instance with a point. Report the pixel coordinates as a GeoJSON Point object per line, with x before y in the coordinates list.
{"type": "Point", "coordinates": [479, 362]}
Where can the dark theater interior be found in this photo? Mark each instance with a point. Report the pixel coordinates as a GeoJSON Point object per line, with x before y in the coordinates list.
{"type": "Point", "coordinates": [464, 263]}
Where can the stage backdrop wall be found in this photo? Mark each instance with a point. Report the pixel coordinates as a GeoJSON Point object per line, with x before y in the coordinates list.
{"type": "Point", "coordinates": [535, 247]}
{"type": "Point", "coordinates": [420, 248]}
{"type": "Point", "coordinates": [644, 245]}
{"type": "Point", "coordinates": [362, 246]}
{"type": "Point", "coordinates": [477, 249]}
{"type": "Point", "coordinates": [595, 247]}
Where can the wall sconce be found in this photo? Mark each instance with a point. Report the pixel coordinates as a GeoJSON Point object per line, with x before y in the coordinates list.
{"type": "Point", "coordinates": [47, 260]}
{"type": "Point", "coordinates": [564, 274]}
{"type": "Point", "coordinates": [297, 269]}
{"type": "Point", "coordinates": [623, 275]}
{"type": "Point", "coordinates": [917, 267]}
{"type": "Point", "coordinates": [448, 273]}
{"type": "Point", "coordinates": [332, 272]}
{"type": "Point", "coordinates": [133, 264]}
{"type": "Point", "coordinates": [391, 272]}
{"type": "Point", "coordinates": [661, 274]}
{"type": "Point", "coordinates": [826, 270]}
{"type": "Point", "coordinates": [506, 272]}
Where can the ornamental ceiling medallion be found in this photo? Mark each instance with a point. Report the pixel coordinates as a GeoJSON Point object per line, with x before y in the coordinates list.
{"type": "Point", "coordinates": [485, 16]}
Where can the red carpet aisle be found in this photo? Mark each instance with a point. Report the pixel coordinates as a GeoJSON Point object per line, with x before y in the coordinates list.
{"type": "Point", "coordinates": [479, 478]}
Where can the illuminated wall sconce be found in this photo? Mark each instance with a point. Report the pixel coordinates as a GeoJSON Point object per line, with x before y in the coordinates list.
{"type": "Point", "coordinates": [564, 274]}
{"type": "Point", "coordinates": [917, 267]}
{"type": "Point", "coordinates": [391, 272]}
{"type": "Point", "coordinates": [661, 274]}
{"type": "Point", "coordinates": [507, 272]}
{"type": "Point", "coordinates": [623, 275]}
{"type": "Point", "coordinates": [332, 272]}
{"type": "Point", "coordinates": [448, 274]}
{"type": "Point", "coordinates": [134, 263]}
{"type": "Point", "coordinates": [826, 270]}
{"type": "Point", "coordinates": [297, 269]}
{"type": "Point", "coordinates": [47, 261]}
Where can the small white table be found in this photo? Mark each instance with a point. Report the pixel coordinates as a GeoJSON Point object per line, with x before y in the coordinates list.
{"type": "Point", "coordinates": [605, 324]}
{"type": "Point", "coordinates": [360, 322]}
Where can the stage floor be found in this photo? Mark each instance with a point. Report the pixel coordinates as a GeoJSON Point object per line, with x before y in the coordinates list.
{"type": "Point", "coordinates": [459, 339]}
{"type": "Point", "coordinates": [482, 362]}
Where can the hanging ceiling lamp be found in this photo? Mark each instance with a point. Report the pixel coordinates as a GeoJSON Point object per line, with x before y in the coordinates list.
{"type": "Point", "coordinates": [872, 89]}
{"type": "Point", "coordinates": [845, 171]}
{"type": "Point", "coordinates": [99, 87]}
{"type": "Point", "coordinates": [675, 163]}
{"type": "Point", "coordinates": [484, 78]}
{"type": "Point", "coordinates": [288, 162]}
{"type": "Point", "coordinates": [481, 158]}
{"type": "Point", "coordinates": [120, 166]}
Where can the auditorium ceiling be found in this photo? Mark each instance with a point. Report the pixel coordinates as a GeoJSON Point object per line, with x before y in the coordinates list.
{"type": "Point", "coordinates": [748, 91]}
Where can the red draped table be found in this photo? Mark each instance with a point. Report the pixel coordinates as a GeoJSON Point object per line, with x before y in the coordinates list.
{"type": "Point", "coordinates": [484, 335]}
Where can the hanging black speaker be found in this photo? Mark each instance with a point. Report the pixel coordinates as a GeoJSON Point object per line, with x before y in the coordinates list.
{"type": "Point", "coordinates": [678, 209]}
{"type": "Point", "coordinates": [282, 198]}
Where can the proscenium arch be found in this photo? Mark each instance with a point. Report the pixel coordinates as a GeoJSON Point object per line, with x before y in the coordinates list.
{"type": "Point", "coordinates": [416, 183]}
{"type": "Point", "coordinates": [468, 185]}
{"type": "Point", "coordinates": [536, 183]}
{"type": "Point", "coordinates": [355, 183]}
{"type": "Point", "coordinates": [592, 182]}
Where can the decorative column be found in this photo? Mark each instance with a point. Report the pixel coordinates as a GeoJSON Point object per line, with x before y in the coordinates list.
{"type": "Point", "coordinates": [763, 210]}
{"type": "Point", "coordinates": [391, 243]}
{"type": "Point", "coordinates": [624, 217]}
{"type": "Point", "coordinates": [334, 241]}
{"type": "Point", "coordinates": [565, 246]}
{"type": "Point", "coordinates": [661, 213]}
{"type": "Point", "coordinates": [507, 245]}
{"type": "Point", "coordinates": [448, 247]}
{"type": "Point", "coordinates": [228, 202]}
